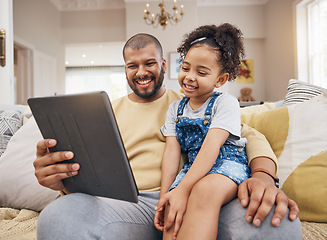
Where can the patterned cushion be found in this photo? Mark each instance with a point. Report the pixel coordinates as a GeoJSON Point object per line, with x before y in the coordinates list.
{"type": "Point", "coordinates": [298, 91]}
{"type": "Point", "coordinates": [10, 122]}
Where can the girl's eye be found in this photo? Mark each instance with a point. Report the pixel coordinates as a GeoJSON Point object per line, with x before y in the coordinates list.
{"type": "Point", "coordinates": [185, 68]}
{"type": "Point", "coordinates": [202, 73]}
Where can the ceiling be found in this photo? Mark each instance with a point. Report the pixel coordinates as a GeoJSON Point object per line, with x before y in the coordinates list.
{"type": "Point", "coordinates": [76, 5]}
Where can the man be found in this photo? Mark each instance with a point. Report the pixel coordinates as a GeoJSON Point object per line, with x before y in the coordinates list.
{"type": "Point", "coordinates": [140, 116]}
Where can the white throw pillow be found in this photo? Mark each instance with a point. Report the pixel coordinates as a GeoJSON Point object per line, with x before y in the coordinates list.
{"type": "Point", "coordinates": [298, 91]}
{"type": "Point", "coordinates": [297, 134]}
{"type": "Point", "coordinates": [19, 187]}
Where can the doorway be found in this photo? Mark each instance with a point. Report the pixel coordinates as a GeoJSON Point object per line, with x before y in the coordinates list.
{"type": "Point", "coordinates": [23, 73]}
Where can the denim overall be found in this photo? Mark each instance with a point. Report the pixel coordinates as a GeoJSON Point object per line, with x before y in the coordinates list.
{"type": "Point", "coordinates": [231, 161]}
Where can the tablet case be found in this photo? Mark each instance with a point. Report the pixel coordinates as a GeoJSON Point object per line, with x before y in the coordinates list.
{"type": "Point", "coordinates": [85, 124]}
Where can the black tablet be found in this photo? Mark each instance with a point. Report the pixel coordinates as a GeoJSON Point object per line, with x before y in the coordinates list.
{"type": "Point", "coordinates": [85, 124]}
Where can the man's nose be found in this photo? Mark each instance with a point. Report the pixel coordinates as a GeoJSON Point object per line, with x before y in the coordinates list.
{"type": "Point", "coordinates": [141, 71]}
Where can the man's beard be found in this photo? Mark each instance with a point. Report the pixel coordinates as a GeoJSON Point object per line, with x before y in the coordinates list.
{"type": "Point", "coordinates": [154, 91]}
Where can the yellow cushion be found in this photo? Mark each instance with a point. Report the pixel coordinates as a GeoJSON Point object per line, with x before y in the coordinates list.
{"type": "Point", "coordinates": [297, 134]}
{"type": "Point", "coordinates": [258, 108]}
{"type": "Point", "coordinates": [307, 184]}
{"type": "Point", "coordinates": [273, 124]}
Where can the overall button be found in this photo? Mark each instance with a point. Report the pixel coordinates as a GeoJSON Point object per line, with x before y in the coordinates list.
{"type": "Point", "coordinates": [240, 149]}
{"type": "Point", "coordinates": [205, 122]}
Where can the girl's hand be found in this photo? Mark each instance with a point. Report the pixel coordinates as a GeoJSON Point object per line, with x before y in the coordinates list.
{"type": "Point", "coordinates": [176, 201]}
{"type": "Point", "coordinates": [159, 218]}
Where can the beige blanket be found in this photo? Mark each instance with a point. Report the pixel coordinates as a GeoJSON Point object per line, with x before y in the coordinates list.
{"type": "Point", "coordinates": [314, 231]}
{"type": "Point", "coordinates": [18, 224]}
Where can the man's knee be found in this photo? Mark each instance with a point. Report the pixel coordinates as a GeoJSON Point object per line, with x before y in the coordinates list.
{"type": "Point", "coordinates": [81, 216]}
{"type": "Point", "coordinates": [63, 215]}
{"type": "Point", "coordinates": [232, 225]}
{"type": "Point", "coordinates": [128, 231]}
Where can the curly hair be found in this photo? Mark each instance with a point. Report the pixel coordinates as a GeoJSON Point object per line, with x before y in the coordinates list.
{"type": "Point", "coordinates": [226, 40]}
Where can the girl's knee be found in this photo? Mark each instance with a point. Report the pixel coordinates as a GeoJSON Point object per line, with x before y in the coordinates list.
{"type": "Point", "coordinates": [214, 189]}
{"type": "Point", "coordinates": [202, 194]}
{"type": "Point", "coordinates": [202, 189]}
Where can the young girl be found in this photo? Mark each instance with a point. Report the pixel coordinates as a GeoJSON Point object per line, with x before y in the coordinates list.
{"type": "Point", "coordinates": [206, 126]}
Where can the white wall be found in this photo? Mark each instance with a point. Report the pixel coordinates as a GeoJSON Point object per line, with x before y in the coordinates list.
{"type": "Point", "coordinates": [7, 72]}
{"type": "Point", "coordinates": [249, 18]}
{"type": "Point", "coordinates": [38, 23]}
{"type": "Point", "coordinates": [93, 26]}
{"type": "Point", "coordinates": [279, 48]}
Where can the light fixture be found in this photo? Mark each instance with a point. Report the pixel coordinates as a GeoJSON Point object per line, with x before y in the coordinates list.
{"type": "Point", "coordinates": [163, 17]}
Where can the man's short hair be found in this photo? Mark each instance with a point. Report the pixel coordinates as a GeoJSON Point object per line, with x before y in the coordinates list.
{"type": "Point", "coordinates": [141, 40]}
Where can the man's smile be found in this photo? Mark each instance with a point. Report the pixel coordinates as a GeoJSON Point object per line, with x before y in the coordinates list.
{"type": "Point", "coordinates": [143, 82]}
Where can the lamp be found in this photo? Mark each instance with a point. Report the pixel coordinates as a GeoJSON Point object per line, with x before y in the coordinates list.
{"type": "Point", "coordinates": [163, 17]}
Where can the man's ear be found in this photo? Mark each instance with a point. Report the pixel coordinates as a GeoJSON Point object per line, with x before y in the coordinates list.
{"type": "Point", "coordinates": [164, 65]}
{"type": "Point", "coordinates": [222, 79]}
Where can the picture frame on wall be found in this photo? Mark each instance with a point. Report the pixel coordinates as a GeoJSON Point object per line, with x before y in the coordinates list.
{"type": "Point", "coordinates": [174, 65]}
{"type": "Point", "coordinates": [246, 71]}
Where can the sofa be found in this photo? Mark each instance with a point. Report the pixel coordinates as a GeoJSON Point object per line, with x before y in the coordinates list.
{"type": "Point", "coordinates": [295, 127]}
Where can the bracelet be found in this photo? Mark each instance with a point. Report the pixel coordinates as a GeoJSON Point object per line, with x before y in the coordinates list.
{"type": "Point", "coordinates": [276, 179]}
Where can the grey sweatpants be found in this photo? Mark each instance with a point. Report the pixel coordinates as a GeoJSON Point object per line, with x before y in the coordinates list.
{"type": "Point", "coordinates": [81, 216]}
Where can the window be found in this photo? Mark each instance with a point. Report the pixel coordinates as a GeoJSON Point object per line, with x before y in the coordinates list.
{"type": "Point", "coordinates": [311, 19]}
{"type": "Point", "coordinates": [86, 79]}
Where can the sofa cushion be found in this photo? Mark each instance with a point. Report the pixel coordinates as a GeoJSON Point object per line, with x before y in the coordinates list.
{"type": "Point", "coordinates": [258, 108]}
{"type": "Point", "coordinates": [298, 91]}
{"type": "Point", "coordinates": [18, 184]}
{"type": "Point", "coordinates": [297, 134]}
{"type": "Point", "coordinates": [10, 122]}
{"type": "Point", "coordinates": [273, 124]}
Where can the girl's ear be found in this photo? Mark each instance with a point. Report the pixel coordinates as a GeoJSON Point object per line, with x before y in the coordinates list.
{"type": "Point", "coordinates": [222, 79]}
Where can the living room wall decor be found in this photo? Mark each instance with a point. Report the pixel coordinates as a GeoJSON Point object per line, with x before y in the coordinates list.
{"type": "Point", "coordinates": [246, 71]}
{"type": "Point", "coordinates": [174, 65]}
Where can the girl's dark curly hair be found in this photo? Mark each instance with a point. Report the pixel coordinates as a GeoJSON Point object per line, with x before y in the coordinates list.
{"type": "Point", "coordinates": [226, 40]}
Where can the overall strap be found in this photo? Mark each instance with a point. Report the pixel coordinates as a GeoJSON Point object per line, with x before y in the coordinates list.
{"type": "Point", "coordinates": [207, 114]}
{"type": "Point", "coordinates": [181, 106]}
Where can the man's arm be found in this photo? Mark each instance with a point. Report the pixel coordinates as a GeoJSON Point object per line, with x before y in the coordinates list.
{"type": "Point", "coordinates": [259, 192]}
